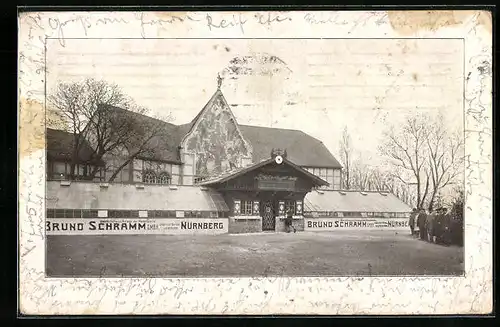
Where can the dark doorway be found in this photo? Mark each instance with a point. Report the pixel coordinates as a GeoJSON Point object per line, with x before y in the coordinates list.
{"type": "Point", "coordinates": [267, 213]}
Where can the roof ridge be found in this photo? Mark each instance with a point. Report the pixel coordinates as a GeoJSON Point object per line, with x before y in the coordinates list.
{"type": "Point", "coordinates": [143, 115]}
{"type": "Point", "coordinates": [276, 128]}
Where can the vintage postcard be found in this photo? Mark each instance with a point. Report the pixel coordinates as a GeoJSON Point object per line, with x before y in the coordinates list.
{"type": "Point", "coordinates": [331, 163]}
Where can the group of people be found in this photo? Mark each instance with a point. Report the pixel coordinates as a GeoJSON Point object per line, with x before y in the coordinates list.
{"type": "Point", "coordinates": [432, 226]}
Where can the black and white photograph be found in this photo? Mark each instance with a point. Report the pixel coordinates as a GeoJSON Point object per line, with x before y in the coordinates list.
{"type": "Point", "coordinates": [238, 158]}
{"type": "Point", "coordinates": [254, 156]}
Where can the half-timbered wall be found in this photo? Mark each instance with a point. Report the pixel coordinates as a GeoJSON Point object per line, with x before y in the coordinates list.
{"type": "Point", "coordinates": [331, 175]}
{"type": "Point", "coordinates": [155, 172]}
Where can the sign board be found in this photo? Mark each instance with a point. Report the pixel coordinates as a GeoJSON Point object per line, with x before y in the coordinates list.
{"type": "Point", "coordinates": [128, 226]}
{"type": "Point", "coordinates": [332, 224]}
{"type": "Point", "coordinates": [284, 185]}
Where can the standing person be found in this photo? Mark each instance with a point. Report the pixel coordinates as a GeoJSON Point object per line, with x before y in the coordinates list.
{"type": "Point", "coordinates": [441, 226]}
{"type": "Point", "coordinates": [421, 222]}
{"type": "Point", "coordinates": [289, 221]}
{"type": "Point", "coordinates": [412, 221]}
{"type": "Point", "coordinates": [430, 226]}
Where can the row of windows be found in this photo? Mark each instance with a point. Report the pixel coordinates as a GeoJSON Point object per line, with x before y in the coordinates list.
{"type": "Point", "coordinates": [357, 214]}
{"type": "Point", "coordinates": [332, 176]}
{"type": "Point", "coordinates": [62, 171]}
{"type": "Point", "coordinates": [150, 177]}
{"type": "Point", "coordinates": [251, 208]}
{"type": "Point", "coordinates": [246, 208]}
{"type": "Point", "coordinates": [92, 213]}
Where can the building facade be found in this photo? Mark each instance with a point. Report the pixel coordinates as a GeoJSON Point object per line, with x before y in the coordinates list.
{"type": "Point", "coordinates": [211, 168]}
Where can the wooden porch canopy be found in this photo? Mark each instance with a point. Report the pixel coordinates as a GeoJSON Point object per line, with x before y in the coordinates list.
{"type": "Point", "coordinates": [235, 173]}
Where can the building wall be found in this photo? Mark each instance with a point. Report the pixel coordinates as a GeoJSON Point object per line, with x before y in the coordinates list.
{"type": "Point", "coordinates": [187, 169]}
{"type": "Point", "coordinates": [113, 161]}
{"type": "Point", "coordinates": [141, 166]}
{"type": "Point", "coordinates": [60, 170]}
{"type": "Point", "coordinates": [331, 175]}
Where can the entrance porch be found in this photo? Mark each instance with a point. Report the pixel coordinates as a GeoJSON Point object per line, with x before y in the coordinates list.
{"type": "Point", "coordinates": [259, 196]}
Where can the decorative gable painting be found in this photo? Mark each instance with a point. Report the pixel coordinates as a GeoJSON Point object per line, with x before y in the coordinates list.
{"type": "Point", "coordinates": [216, 140]}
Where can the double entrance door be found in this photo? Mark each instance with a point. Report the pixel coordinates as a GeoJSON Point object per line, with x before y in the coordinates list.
{"type": "Point", "coordinates": [268, 214]}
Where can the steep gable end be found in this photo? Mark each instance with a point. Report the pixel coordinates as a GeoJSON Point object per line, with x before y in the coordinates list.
{"type": "Point", "coordinates": [216, 139]}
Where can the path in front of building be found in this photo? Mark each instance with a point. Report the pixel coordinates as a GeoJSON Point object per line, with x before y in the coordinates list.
{"type": "Point", "coordinates": [265, 254]}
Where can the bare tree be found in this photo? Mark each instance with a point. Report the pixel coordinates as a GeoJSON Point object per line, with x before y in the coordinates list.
{"type": "Point", "coordinates": [406, 150]}
{"type": "Point", "coordinates": [421, 152]}
{"type": "Point", "coordinates": [69, 102]}
{"type": "Point", "coordinates": [100, 113]}
{"type": "Point", "coordinates": [445, 158]}
{"type": "Point", "coordinates": [346, 157]}
{"type": "Point", "coordinates": [146, 138]}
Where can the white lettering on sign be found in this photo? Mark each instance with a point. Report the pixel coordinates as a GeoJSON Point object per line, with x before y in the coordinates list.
{"type": "Point", "coordinates": [326, 224]}
{"type": "Point", "coordinates": [124, 226]}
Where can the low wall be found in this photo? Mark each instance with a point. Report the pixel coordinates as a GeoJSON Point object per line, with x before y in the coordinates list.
{"type": "Point", "coordinates": [298, 223]}
{"type": "Point", "coordinates": [251, 224]}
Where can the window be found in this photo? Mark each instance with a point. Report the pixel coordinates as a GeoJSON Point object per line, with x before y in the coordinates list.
{"type": "Point", "coordinates": [246, 208]}
{"type": "Point", "coordinates": [329, 179]}
{"type": "Point", "coordinates": [237, 207]}
{"type": "Point", "coordinates": [62, 170]}
{"type": "Point", "coordinates": [164, 178]}
{"type": "Point", "coordinates": [336, 178]}
{"type": "Point", "coordinates": [322, 175]}
{"type": "Point", "coordinates": [59, 167]}
{"type": "Point", "coordinates": [290, 205]}
{"type": "Point", "coordinates": [149, 177]}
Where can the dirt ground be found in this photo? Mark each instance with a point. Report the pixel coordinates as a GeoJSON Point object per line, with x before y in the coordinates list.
{"type": "Point", "coordinates": [340, 253]}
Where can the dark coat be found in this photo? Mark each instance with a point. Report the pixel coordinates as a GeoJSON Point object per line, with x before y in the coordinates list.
{"type": "Point", "coordinates": [442, 226]}
{"type": "Point", "coordinates": [412, 219]}
{"type": "Point", "coordinates": [430, 224]}
{"type": "Point", "coordinates": [421, 220]}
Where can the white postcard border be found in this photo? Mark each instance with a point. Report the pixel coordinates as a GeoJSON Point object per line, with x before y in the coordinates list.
{"type": "Point", "coordinates": [469, 294]}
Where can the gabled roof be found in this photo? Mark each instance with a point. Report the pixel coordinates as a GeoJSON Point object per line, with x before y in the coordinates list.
{"type": "Point", "coordinates": [349, 201]}
{"type": "Point", "coordinates": [209, 105]}
{"type": "Point", "coordinates": [164, 146]}
{"type": "Point", "coordinates": [302, 149]}
{"type": "Point", "coordinates": [226, 176]}
{"type": "Point", "coordinates": [60, 147]}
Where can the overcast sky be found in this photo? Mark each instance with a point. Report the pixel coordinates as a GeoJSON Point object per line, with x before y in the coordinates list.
{"type": "Point", "coordinates": [317, 86]}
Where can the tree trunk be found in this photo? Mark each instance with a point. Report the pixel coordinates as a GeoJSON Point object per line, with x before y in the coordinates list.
{"type": "Point", "coordinates": [119, 169]}
{"type": "Point", "coordinates": [96, 168]}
